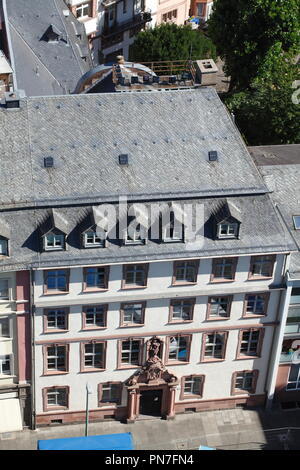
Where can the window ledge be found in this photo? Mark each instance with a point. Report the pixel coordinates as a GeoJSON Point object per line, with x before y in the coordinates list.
{"type": "Point", "coordinates": [56, 372]}
{"type": "Point", "coordinates": [133, 287]}
{"type": "Point", "coordinates": [47, 332]}
{"type": "Point", "coordinates": [92, 369]}
{"type": "Point", "coordinates": [240, 358]}
{"type": "Point", "coordinates": [132, 325]}
{"type": "Point", "coordinates": [93, 328]}
{"type": "Point", "coordinates": [254, 316]}
{"type": "Point", "coordinates": [191, 397]}
{"type": "Point", "coordinates": [128, 367]}
{"type": "Point", "coordinates": [221, 280]}
{"type": "Point", "coordinates": [91, 290]}
{"type": "Point", "coordinates": [56, 408]}
{"type": "Point", "coordinates": [218, 318]}
{"type": "Point", "coordinates": [56, 293]}
{"type": "Point", "coordinates": [212, 360]}
{"type": "Point", "coordinates": [177, 363]}
{"type": "Point", "coordinates": [177, 284]}
{"type": "Point", "coordinates": [259, 278]}
{"type": "Point", "coordinates": [178, 322]}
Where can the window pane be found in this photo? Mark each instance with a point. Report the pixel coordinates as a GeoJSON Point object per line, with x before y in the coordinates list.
{"type": "Point", "coordinates": [3, 247]}
{"type": "Point", "coordinates": [4, 327]}
{"type": "Point", "coordinates": [4, 293]}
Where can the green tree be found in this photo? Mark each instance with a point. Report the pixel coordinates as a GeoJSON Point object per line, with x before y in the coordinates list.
{"type": "Point", "coordinates": [171, 42]}
{"type": "Point", "coordinates": [244, 31]}
{"type": "Point", "coordinates": [266, 113]}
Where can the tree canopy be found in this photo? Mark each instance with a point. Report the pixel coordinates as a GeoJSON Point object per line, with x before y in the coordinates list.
{"type": "Point", "coordinates": [245, 30]}
{"type": "Point", "coordinates": [266, 112]}
{"type": "Point", "coordinates": [171, 42]}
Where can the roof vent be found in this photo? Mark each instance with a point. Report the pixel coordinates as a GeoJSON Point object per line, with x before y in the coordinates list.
{"type": "Point", "coordinates": [48, 162]}
{"type": "Point", "coordinates": [212, 155]}
{"type": "Point", "coordinates": [123, 159]}
{"type": "Point", "coordinates": [12, 99]}
{"type": "Point", "coordinates": [66, 12]}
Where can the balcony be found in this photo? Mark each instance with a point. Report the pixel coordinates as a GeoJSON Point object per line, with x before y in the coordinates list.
{"type": "Point", "coordinates": [117, 28]}
{"type": "Point", "coordinates": [293, 320]}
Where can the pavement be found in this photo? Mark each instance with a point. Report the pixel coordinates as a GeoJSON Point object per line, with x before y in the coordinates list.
{"type": "Point", "coordinates": [235, 429]}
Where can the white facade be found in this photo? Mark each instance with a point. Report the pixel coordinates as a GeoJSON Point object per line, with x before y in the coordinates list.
{"type": "Point", "coordinates": [157, 296]}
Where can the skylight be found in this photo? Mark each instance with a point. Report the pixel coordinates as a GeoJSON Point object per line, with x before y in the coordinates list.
{"type": "Point", "coordinates": [296, 219]}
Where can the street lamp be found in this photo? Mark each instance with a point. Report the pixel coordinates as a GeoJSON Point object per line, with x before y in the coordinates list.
{"type": "Point", "coordinates": [88, 392]}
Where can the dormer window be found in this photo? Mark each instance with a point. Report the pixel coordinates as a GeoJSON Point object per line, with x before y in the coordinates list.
{"type": "Point", "coordinates": [3, 246]}
{"type": "Point", "coordinates": [173, 231]}
{"type": "Point", "coordinates": [134, 235]}
{"type": "Point", "coordinates": [228, 230]}
{"type": "Point", "coordinates": [54, 241]}
{"type": "Point", "coordinates": [228, 219]}
{"type": "Point", "coordinates": [92, 239]}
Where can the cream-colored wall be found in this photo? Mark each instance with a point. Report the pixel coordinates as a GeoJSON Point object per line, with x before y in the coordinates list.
{"type": "Point", "coordinates": [8, 345]}
{"type": "Point", "coordinates": [157, 295]}
{"type": "Point", "coordinates": [182, 7]}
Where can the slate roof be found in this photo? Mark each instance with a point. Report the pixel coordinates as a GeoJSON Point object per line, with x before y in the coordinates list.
{"type": "Point", "coordinates": [42, 67]}
{"type": "Point", "coordinates": [262, 231]}
{"type": "Point", "coordinates": [167, 136]}
{"type": "Point", "coordinates": [285, 180]}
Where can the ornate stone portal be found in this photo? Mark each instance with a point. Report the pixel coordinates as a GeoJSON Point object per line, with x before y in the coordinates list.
{"type": "Point", "coordinates": [153, 374]}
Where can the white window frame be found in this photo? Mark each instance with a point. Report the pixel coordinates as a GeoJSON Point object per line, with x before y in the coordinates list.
{"type": "Point", "coordinates": [242, 376]}
{"type": "Point", "coordinates": [250, 342]}
{"type": "Point", "coordinates": [56, 237]}
{"type": "Point", "coordinates": [57, 313]}
{"type": "Point", "coordinates": [55, 392]}
{"type": "Point", "coordinates": [97, 240]}
{"type": "Point", "coordinates": [2, 299]}
{"type": "Point", "coordinates": [130, 351]}
{"type": "Point", "coordinates": [96, 311]}
{"type": "Point", "coordinates": [4, 317]}
{"type": "Point", "coordinates": [56, 357]}
{"type": "Point", "coordinates": [137, 239]}
{"type": "Point", "coordinates": [190, 379]}
{"type": "Point", "coordinates": [80, 8]}
{"type": "Point", "coordinates": [229, 233]}
{"type": "Point", "coordinates": [93, 355]}
{"type": "Point", "coordinates": [3, 356]}
{"type": "Point", "coordinates": [215, 345]}
{"type": "Point", "coordinates": [296, 382]}
{"type": "Point", "coordinates": [4, 241]}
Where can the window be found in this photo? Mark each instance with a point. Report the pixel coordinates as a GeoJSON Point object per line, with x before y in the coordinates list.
{"type": "Point", "coordinates": [135, 275]}
{"type": "Point", "coordinates": [296, 220]}
{"type": "Point", "coordinates": [92, 239]}
{"type": "Point", "coordinates": [124, 6]}
{"type": "Point", "coordinates": [244, 381]}
{"type": "Point", "coordinates": [192, 386]}
{"type": "Point", "coordinates": [56, 398]}
{"type": "Point", "coordinates": [256, 304]}
{"type": "Point", "coordinates": [5, 365]}
{"type": "Point", "coordinates": [179, 348]}
{"type": "Point", "coordinates": [56, 358]}
{"type": "Point", "coordinates": [83, 10]}
{"type": "Point", "coordinates": [218, 307]}
{"type": "Point", "coordinates": [54, 241]}
{"type": "Point", "coordinates": [130, 352]}
{"type": "Point", "coordinates": [93, 356]}
{"type": "Point", "coordinates": [170, 16]}
{"type": "Point", "coordinates": [185, 272]}
{"type": "Point", "coordinates": [135, 235]}
{"type": "Point", "coordinates": [3, 246]}
{"type": "Point", "coordinates": [223, 269]}
{"type": "Point", "coordinates": [4, 327]}
{"type": "Point", "coordinates": [294, 378]}
{"type": "Point", "coordinates": [94, 316]}
{"type": "Point", "coordinates": [110, 392]}
{"type": "Point", "coordinates": [56, 281]}
{"type": "Point", "coordinates": [181, 310]}
{"type": "Point", "coordinates": [4, 289]}
{"type": "Point", "coordinates": [228, 230]}
{"type": "Point", "coordinates": [112, 12]}
{"type": "Point", "coordinates": [95, 278]}
{"type": "Point", "coordinates": [200, 9]}
{"type": "Point", "coordinates": [250, 342]}
{"type": "Point", "coordinates": [132, 314]}
{"type": "Point", "coordinates": [172, 231]}
{"type": "Point", "coordinates": [214, 345]}
{"type": "Point", "coordinates": [261, 266]}
{"type": "Point", "coordinates": [55, 319]}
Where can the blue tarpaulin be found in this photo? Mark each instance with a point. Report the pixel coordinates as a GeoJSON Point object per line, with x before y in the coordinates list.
{"type": "Point", "coordinates": [121, 441]}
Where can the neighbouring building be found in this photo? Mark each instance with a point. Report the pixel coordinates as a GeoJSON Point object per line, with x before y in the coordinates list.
{"type": "Point", "coordinates": [112, 25]}
{"type": "Point", "coordinates": [279, 164]}
{"type": "Point", "coordinates": [201, 9]}
{"type": "Point", "coordinates": [156, 324]}
{"type": "Point", "coordinates": [46, 46]}
{"type": "Point", "coordinates": [5, 75]}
